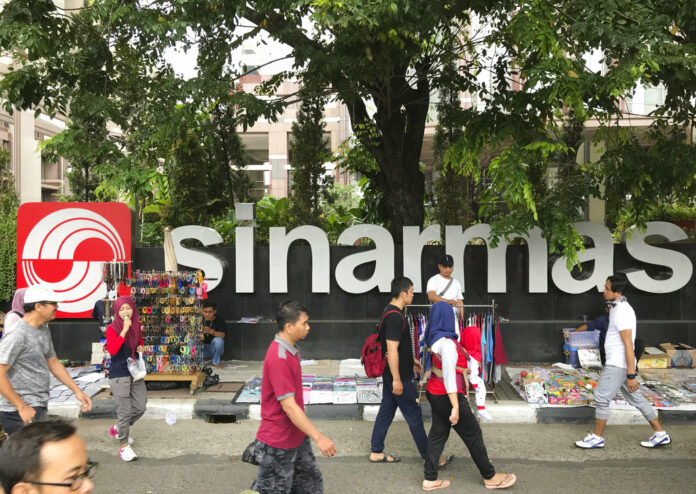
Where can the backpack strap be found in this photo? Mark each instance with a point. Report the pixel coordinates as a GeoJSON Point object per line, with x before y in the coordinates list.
{"type": "Point", "coordinates": [446, 288]}
{"type": "Point", "coordinates": [403, 321]}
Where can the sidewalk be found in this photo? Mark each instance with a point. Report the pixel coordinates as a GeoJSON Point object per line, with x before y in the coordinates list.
{"type": "Point", "coordinates": [216, 405]}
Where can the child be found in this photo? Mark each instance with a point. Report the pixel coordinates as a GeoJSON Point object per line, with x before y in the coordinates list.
{"type": "Point", "coordinates": [471, 341]}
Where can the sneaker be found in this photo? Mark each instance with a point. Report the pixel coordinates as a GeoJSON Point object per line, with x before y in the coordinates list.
{"type": "Point", "coordinates": [484, 415]}
{"type": "Point", "coordinates": [656, 441]}
{"type": "Point", "coordinates": [114, 433]}
{"type": "Point", "coordinates": [590, 442]}
{"type": "Point", "coordinates": [127, 454]}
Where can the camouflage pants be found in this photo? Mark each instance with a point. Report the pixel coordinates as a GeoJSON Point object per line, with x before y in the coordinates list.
{"type": "Point", "coordinates": [287, 470]}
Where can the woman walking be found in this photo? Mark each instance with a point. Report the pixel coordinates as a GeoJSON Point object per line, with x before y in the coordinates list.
{"type": "Point", "coordinates": [447, 394]}
{"type": "Point", "coordinates": [123, 339]}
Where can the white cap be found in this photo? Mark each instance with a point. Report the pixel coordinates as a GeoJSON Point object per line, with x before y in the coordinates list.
{"type": "Point", "coordinates": [41, 293]}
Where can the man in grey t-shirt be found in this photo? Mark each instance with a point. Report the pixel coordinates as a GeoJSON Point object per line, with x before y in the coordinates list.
{"type": "Point", "coordinates": [26, 358]}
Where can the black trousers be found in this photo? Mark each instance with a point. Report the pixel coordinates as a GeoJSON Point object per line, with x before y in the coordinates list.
{"type": "Point", "coordinates": [468, 429]}
{"type": "Point", "coordinates": [12, 422]}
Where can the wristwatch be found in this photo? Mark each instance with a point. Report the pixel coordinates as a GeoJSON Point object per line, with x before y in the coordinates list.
{"type": "Point", "coordinates": [631, 376]}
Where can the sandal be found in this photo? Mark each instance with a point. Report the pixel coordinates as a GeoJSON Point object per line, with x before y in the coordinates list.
{"type": "Point", "coordinates": [443, 484]}
{"type": "Point", "coordinates": [508, 481]}
{"type": "Point", "coordinates": [394, 459]}
{"type": "Point", "coordinates": [446, 461]}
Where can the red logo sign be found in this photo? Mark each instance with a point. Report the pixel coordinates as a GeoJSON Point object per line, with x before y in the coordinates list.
{"type": "Point", "coordinates": [65, 244]}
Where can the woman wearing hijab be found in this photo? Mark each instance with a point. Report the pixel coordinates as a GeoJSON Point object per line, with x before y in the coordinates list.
{"type": "Point", "coordinates": [124, 338]}
{"type": "Point", "coordinates": [17, 312]}
{"type": "Point", "coordinates": [447, 394]}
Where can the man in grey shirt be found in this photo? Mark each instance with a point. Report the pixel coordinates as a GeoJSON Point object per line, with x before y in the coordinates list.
{"type": "Point", "coordinates": [26, 358]}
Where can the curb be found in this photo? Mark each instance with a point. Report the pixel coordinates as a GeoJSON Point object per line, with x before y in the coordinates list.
{"type": "Point", "coordinates": [504, 412]}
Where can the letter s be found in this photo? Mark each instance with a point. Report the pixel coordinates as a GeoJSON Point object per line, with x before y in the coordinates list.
{"type": "Point", "coordinates": [212, 265]}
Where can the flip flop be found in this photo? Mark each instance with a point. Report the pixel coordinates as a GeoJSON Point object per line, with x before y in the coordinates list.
{"type": "Point", "coordinates": [448, 460]}
{"type": "Point", "coordinates": [395, 459]}
{"type": "Point", "coordinates": [508, 481]}
{"type": "Point", "coordinates": [444, 484]}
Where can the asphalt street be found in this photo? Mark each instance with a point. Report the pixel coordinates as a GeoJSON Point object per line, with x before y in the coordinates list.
{"type": "Point", "coordinates": [194, 456]}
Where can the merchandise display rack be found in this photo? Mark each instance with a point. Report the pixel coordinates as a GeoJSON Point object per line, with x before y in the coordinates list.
{"type": "Point", "coordinates": [490, 387]}
{"type": "Point", "coordinates": [170, 311]}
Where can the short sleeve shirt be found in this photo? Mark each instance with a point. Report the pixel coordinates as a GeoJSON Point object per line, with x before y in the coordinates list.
{"type": "Point", "coordinates": [25, 350]}
{"type": "Point", "coordinates": [621, 317]}
{"type": "Point", "coordinates": [394, 329]}
{"type": "Point", "coordinates": [438, 283]}
{"type": "Point", "coordinates": [282, 378]}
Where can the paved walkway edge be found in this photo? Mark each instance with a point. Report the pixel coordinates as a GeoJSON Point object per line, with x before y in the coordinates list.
{"type": "Point", "coordinates": [503, 412]}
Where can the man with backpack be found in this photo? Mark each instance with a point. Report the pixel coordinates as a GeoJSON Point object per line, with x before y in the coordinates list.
{"type": "Point", "coordinates": [398, 388]}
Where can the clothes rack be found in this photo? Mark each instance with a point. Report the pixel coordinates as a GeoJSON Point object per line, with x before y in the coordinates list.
{"type": "Point", "coordinates": [490, 386]}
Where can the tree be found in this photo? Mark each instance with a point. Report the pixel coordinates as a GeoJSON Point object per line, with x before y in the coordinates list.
{"type": "Point", "coordinates": [309, 152]}
{"type": "Point", "coordinates": [387, 54]}
{"type": "Point", "coordinates": [9, 203]}
{"type": "Point", "coordinates": [453, 191]}
{"type": "Point", "coordinates": [542, 95]}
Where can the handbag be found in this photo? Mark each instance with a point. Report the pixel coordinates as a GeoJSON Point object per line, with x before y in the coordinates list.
{"type": "Point", "coordinates": [137, 367]}
{"type": "Point", "coordinates": [250, 454]}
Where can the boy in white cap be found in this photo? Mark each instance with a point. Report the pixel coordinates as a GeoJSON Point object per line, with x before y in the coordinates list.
{"type": "Point", "coordinates": [26, 358]}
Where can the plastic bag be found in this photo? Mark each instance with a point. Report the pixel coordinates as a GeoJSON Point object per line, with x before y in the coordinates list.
{"type": "Point", "coordinates": [251, 454]}
{"type": "Point", "coordinates": [137, 367]}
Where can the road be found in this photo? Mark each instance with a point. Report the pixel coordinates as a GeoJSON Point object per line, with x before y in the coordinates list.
{"type": "Point", "coordinates": [194, 457]}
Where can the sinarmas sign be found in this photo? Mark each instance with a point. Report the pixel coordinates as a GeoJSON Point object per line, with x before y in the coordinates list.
{"type": "Point", "coordinates": [65, 244]}
{"type": "Point", "coordinates": [455, 239]}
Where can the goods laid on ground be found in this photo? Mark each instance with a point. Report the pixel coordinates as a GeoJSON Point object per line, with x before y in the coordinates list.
{"type": "Point", "coordinates": [324, 390]}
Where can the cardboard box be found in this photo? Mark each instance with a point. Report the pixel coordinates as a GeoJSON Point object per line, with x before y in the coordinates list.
{"type": "Point", "coordinates": [681, 355]}
{"type": "Point", "coordinates": [653, 358]}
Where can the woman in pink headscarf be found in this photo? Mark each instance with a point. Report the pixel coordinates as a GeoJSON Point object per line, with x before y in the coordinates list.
{"type": "Point", "coordinates": [124, 338]}
{"type": "Point", "coordinates": [17, 312]}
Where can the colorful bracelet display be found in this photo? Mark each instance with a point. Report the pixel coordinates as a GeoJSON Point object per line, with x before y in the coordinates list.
{"type": "Point", "coordinates": [169, 308]}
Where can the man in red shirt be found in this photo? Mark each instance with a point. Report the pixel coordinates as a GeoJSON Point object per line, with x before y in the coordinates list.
{"type": "Point", "coordinates": [287, 463]}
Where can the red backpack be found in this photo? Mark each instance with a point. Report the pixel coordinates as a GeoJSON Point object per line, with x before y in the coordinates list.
{"type": "Point", "coordinates": [371, 356]}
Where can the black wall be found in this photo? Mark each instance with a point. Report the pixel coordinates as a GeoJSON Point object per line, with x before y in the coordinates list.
{"type": "Point", "coordinates": [340, 321]}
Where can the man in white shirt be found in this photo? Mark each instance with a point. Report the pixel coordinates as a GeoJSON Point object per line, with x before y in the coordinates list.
{"type": "Point", "coordinates": [443, 288]}
{"type": "Point", "coordinates": [619, 371]}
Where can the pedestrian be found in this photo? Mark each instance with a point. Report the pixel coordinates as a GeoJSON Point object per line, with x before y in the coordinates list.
{"type": "Point", "coordinates": [27, 359]}
{"type": "Point", "coordinates": [47, 457]}
{"type": "Point", "coordinates": [619, 371]}
{"type": "Point", "coordinates": [124, 339]}
{"type": "Point", "coordinates": [447, 393]}
{"type": "Point", "coordinates": [213, 333]}
{"type": "Point", "coordinates": [283, 447]}
{"type": "Point", "coordinates": [17, 312]}
{"type": "Point", "coordinates": [442, 287]}
{"type": "Point", "coordinates": [398, 386]}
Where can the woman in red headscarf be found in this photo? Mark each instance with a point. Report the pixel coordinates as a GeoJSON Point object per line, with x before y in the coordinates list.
{"type": "Point", "coordinates": [124, 339]}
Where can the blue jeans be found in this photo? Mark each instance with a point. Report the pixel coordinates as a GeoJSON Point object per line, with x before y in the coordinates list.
{"type": "Point", "coordinates": [410, 409]}
{"type": "Point", "coordinates": [214, 350]}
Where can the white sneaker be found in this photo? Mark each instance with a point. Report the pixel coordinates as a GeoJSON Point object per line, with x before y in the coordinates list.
{"type": "Point", "coordinates": [484, 415]}
{"type": "Point", "coordinates": [656, 441]}
{"type": "Point", "coordinates": [592, 441]}
{"type": "Point", "coordinates": [127, 454]}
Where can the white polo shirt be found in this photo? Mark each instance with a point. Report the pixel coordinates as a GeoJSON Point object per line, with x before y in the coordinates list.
{"type": "Point", "coordinates": [621, 317]}
{"type": "Point", "coordinates": [438, 283]}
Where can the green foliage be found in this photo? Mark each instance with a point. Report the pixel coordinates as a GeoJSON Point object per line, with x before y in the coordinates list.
{"type": "Point", "coordinates": [271, 212]}
{"type": "Point", "coordinates": [9, 203]}
{"type": "Point", "coordinates": [309, 153]}
{"type": "Point", "coordinates": [453, 192]}
{"type": "Point", "coordinates": [341, 207]}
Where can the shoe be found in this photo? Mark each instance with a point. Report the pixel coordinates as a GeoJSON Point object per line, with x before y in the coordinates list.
{"type": "Point", "coordinates": [484, 415]}
{"type": "Point", "coordinates": [656, 441]}
{"type": "Point", "coordinates": [114, 433]}
{"type": "Point", "coordinates": [590, 442]}
{"type": "Point", "coordinates": [127, 454]}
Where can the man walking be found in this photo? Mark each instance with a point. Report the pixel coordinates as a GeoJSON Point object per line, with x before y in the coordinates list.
{"type": "Point", "coordinates": [619, 371]}
{"type": "Point", "coordinates": [26, 358]}
{"type": "Point", "coordinates": [214, 333]}
{"type": "Point", "coordinates": [398, 387]}
{"type": "Point", "coordinates": [287, 463]}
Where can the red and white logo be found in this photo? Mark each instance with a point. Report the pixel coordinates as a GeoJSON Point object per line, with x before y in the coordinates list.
{"type": "Point", "coordinates": [65, 244]}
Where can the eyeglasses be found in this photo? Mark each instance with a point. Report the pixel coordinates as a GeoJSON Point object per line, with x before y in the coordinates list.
{"type": "Point", "coordinates": [55, 304]}
{"type": "Point", "coordinates": [77, 480]}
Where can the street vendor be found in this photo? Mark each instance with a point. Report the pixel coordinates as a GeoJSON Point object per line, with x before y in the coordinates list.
{"type": "Point", "coordinates": [601, 323]}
